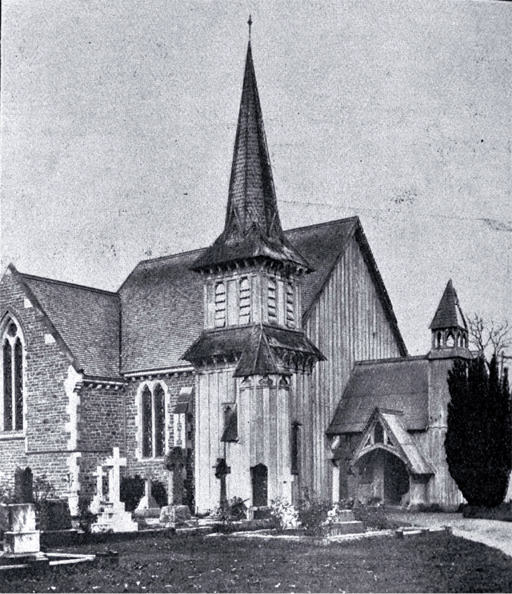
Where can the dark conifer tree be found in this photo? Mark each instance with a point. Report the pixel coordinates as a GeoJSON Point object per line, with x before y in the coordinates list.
{"type": "Point", "coordinates": [479, 437]}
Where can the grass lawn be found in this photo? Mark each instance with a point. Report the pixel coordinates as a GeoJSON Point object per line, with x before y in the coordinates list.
{"type": "Point", "coordinates": [433, 563]}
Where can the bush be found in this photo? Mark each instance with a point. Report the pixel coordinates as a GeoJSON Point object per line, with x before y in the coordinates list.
{"type": "Point", "coordinates": [284, 515]}
{"type": "Point", "coordinates": [159, 493]}
{"type": "Point", "coordinates": [54, 514]}
{"type": "Point", "coordinates": [131, 491]}
{"type": "Point", "coordinates": [313, 513]}
{"type": "Point", "coordinates": [85, 516]}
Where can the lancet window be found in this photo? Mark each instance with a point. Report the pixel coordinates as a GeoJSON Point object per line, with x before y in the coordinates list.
{"type": "Point", "coordinates": [153, 421]}
{"type": "Point", "coordinates": [12, 378]}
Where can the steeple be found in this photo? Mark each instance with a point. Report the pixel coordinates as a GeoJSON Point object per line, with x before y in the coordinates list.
{"type": "Point", "coordinates": [449, 328]}
{"type": "Point", "coordinates": [252, 227]}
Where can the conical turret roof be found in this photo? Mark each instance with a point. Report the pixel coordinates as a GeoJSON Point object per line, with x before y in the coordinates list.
{"type": "Point", "coordinates": [449, 314]}
{"type": "Point", "coordinates": [252, 227]}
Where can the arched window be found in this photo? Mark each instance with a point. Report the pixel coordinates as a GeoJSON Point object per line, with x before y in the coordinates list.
{"type": "Point", "coordinates": [153, 421]}
{"type": "Point", "coordinates": [450, 340]}
{"type": "Point", "coordinates": [272, 311]}
{"type": "Point", "coordinates": [245, 302]}
{"type": "Point", "coordinates": [220, 305]}
{"type": "Point", "coordinates": [12, 377]}
{"type": "Point", "coordinates": [438, 340]}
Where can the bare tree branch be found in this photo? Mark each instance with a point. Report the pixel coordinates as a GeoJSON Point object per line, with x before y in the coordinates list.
{"type": "Point", "coordinates": [489, 337]}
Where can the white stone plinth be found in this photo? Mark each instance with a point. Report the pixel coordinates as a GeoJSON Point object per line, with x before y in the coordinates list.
{"type": "Point", "coordinates": [22, 517]}
{"type": "Point", "coordinates": [21, 542]}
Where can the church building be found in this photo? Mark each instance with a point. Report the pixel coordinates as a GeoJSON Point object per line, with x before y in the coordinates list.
{"type": "Point", "coordinates": [272, 358]}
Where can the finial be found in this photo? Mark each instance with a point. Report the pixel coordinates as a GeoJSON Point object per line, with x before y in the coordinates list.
{"type": "Point", "coordinates": [249, 22]}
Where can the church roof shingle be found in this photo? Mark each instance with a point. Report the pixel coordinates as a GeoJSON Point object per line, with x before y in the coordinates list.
{"type": "Point", "coordinates": [87, 319]}
{"type": "Point", "coordinates": [162, 304]}
{"type": "Point", "coordinates": [448, 313]}
{"type": "Point", "coordinates": [252, 228]}
{"type": "Point", "coordinates": [397, 384]}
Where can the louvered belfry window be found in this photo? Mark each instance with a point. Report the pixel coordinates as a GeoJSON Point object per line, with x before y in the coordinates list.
{"type": "Point", "coordinates": [153, 422]}
{"type": "Point", "coordinates": [12, 376]}
{"type": "Point", "coordinates": [245, 301]}
{"type": "Point", "coordinates": [290, 309]}
{"type": "Point", "coordinates": [220, 305]}
{"type": "Point", "coordinates": [272, 305]}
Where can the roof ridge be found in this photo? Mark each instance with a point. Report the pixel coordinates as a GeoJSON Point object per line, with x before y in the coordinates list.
{"type": "Point", "coordinates": [324, 224]}
{"type": "Point", "coordinates": [67, 284]}
{"type": "Point", "coordinates": [168, 256]}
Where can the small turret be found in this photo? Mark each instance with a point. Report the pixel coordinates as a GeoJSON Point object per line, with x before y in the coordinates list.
{"type": "Point", "coordinates": [449, 328]}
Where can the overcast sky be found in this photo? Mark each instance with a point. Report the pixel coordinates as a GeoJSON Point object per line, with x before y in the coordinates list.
{"type": "Point", "coordinates": [118, 124]}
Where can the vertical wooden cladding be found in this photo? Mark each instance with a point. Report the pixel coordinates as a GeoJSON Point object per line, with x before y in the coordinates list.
{"type": "Point", "coordinates": [347, 323]}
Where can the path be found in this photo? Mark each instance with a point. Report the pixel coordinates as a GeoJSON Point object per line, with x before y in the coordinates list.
{"type": "Point", "coordinates": [492, 533]}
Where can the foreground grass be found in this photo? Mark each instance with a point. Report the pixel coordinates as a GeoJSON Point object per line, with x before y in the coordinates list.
{"type": "Point", "coordinates": [433, 563]}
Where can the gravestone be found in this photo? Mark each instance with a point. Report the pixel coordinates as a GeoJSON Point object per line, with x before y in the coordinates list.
{"type": "Point", "coordinates": [111, 511]}
{"type": "Point", "coordinates": [148, 507]}
{"type": "Point", "coordinates": [175, 513]}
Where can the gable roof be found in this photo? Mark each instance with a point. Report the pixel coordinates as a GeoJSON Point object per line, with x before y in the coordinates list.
{"type": "Point", "coordinates": [397, 384]}
{"type": "Point", "coordinates": [398, 442]}
{"type": "Point", "coordinates": [162, 299]}
{"type": "Point", "coordinates": [162, 304]}
{"type": "Point", "coordinates": [86, 319]}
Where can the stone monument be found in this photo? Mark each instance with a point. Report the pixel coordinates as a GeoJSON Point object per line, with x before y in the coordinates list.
{"type": "Point", "coordinates": [111, 511]}
{"type": "Point", "coordinates": [175, 513]}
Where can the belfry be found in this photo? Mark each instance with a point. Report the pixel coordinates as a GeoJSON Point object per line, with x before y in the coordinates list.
{"type": "Point", "coordinates": [253, 361]}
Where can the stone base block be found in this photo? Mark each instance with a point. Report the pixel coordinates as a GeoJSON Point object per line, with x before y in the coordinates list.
{"type": "Point", "coordinates": [258, 513]}
{"type": "Point", "coordinates": [115, 522]}
{"type": "Point", "coordinates": [174, 514]}
{"type": "Point", "coordinates": [352, 527]}
{"type": "Point", "coordinates": [345, 515]}
{"type": "Point", "coordinates": [153, 512]}
{"type": "Point", "coordinates": [22, 542]}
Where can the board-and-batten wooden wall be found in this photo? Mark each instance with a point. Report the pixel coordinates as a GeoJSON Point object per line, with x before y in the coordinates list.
{"type": "Point", "coordinates": [347, 323]}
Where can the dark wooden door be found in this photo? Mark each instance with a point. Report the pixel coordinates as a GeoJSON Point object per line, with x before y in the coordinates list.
{"type": "Point", "coordinates": [259, 485]}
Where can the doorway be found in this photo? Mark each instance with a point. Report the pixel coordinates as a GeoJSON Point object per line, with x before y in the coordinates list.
{"type": "Point", "coordinates": [259, 477]}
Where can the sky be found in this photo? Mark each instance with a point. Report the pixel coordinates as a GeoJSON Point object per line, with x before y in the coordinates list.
{"type": "Point", "coordinates": [119, 118]}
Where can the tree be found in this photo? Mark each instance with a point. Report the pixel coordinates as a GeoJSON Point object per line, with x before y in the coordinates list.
{"type": "Point", "coordinates": [489, 337]}
{"type": "Point", "coordinates": [478, 441]}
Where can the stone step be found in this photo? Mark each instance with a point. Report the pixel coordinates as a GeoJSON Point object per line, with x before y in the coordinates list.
{"type": "Point", "coordinates": [350, 527]}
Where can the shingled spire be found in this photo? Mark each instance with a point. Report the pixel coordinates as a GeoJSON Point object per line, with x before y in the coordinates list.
{"type": "Point", "coordinates": [449, 313]}
{"type": "Point", "coordinates": [252, 227]}
{"type": "Point", "coordinates": [449, 328]}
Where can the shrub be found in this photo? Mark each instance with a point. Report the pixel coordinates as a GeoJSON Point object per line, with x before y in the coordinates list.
{"type": "Point", "coordinates": [54, 514]}
{"type": "Point", "coordinates": [159, 493]}
{"type": "Point", "coordinates": [313, 513]}
{"type": "Point", "coordinates": [131, 491]}
{"type": "Point", "coordinates": [374, 518]}
{"type": "Point", "coordinates": [85, 516]}
{"type": "Point", "coordinates": [284, 515]}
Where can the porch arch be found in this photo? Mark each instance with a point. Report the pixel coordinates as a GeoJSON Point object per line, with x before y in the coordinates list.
{"type": "Point", "coordinates": [383, 476]}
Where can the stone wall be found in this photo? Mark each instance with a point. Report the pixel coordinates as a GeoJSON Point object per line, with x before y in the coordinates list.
{"type": "Point", "coordinates": [43, 443]}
